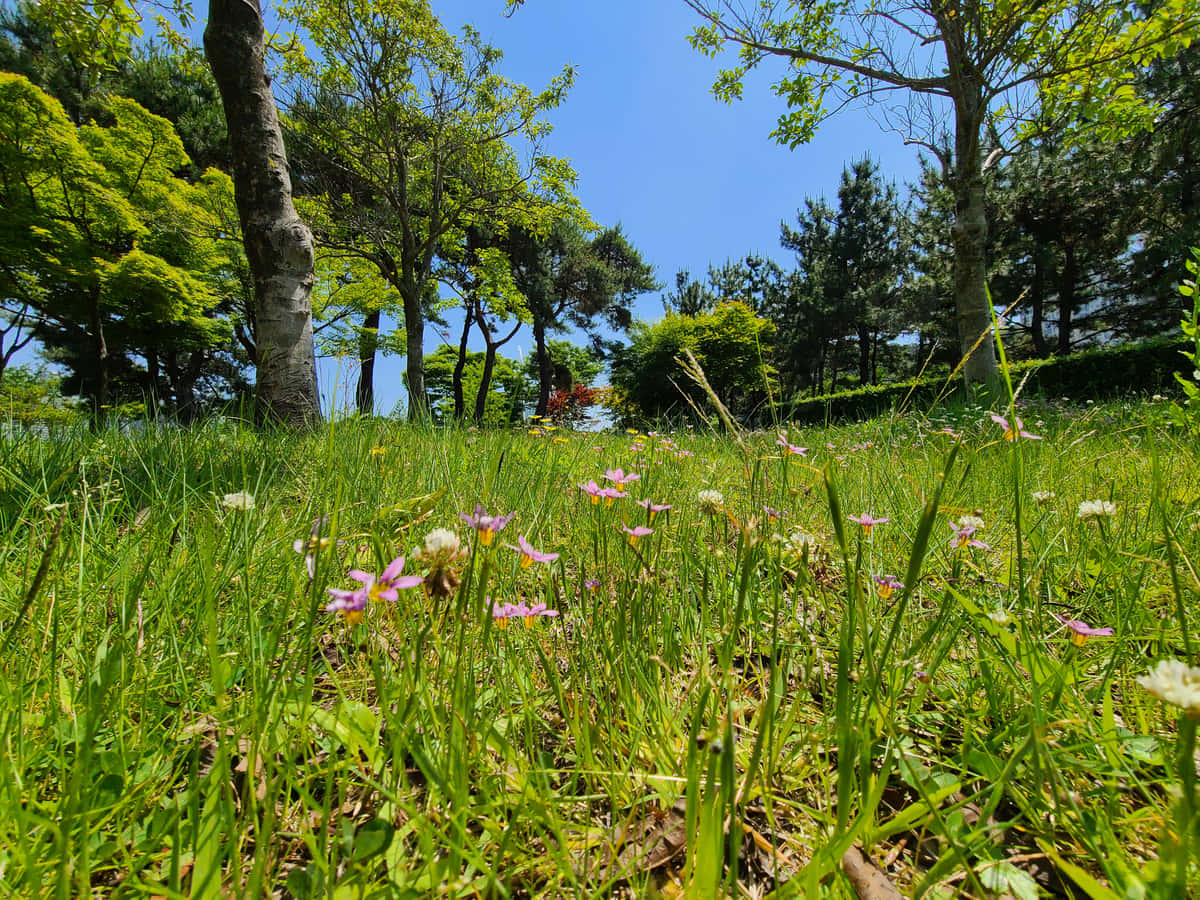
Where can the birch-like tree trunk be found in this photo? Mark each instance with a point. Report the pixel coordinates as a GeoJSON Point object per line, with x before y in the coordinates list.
{"type": "Point", "coordinates": [279, 245]}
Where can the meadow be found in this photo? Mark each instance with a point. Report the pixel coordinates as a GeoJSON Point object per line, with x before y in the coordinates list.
{"type": "Point", "coordinates": [912, 636]}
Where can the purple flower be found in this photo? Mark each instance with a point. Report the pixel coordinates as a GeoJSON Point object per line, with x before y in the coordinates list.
{"type": "Point", "coordinates": [592, 584]}
{"type": "Point", "coordinates": [350, 605]}
{"type": "Point", "coordinates": [1015, 430]}
{"type": "Point", "coordinates": [486, 526]}
{"type": "Point", "coordinates": [1081, 631]}
{"type": "Point", "coordinates": [529, 555]}
{"type": "Point", "coordinates": [620, 479]}
{"type": "Point", "coordinates": [964, 537]}
{"type": "Point", "coordinates": [638, 531]}
{"type": "Point", "coordinates": [867, 521]}
{"type": "Point", "coordinates": [773, 514]}
{"type": "Point", "coordinates": [502, 612]}
{"type": "Point", "coordinates": [385, 587]}
{"type": "Point", "coordinates": [654, 508]}
{"type": "Point", "coordinates": [312, 545]}
{"type": "Point", "coordinates": [887, 585]}
{"type": "Point", "coordinates": [790, 449]}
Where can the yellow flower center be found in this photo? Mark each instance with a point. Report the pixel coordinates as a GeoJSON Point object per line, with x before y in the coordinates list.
{"type": "Point", "coordinates": [485, 536]}
{"type": "Point", "coordinates": [526, 560]}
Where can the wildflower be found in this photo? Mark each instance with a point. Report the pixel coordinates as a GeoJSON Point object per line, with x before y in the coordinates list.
{"type": "Point", "coordinates": [620, 479]}
{"type": "Point", "coordinates": [964, 536]}
{"type": "Point", "coordinates": [887, 585]}
{"type": "Point", "coordinates": [239, 500]}
{"type": "Point", "coordinates": [592, 584]}
{"type": "Point", "coordinates": [610, 494]}
{"type": "Point", "coordinates": [502, 612]}
{"type": "Point", "coordinates": [790, 449]}
{"type": "Point", "coordinates": [711, 501]}
{"type": "Point", "coordinates": [486, 526]}
{"type": "Point", "coordinates": [1043, 497]}
{"type": "Point", "coordinates": [867, 521]}
{"type": "Point", "coordinates": [310, 548]}
{"type": "Point", "coordinates": [654, 508]}
{"type": "Point", "coordinates": [1081, 631]}
{"type": "Point", "coordinates": [1095, 510]}
{"type": "Point", "coordinates": [385, 587]}
{"type": "Point", "coordinates": [1174, 682]}
{"type": "Point", "coordinates": [638, 531]}
{"type": "Point", "coordinates": [440, 553]}
{"type": "Point", "coordinates": [529, 555]}
{"type": "Point", "coordinates": [592, 490]}
{"type": "Point", "coordinates": [684, 454]}
{"type": "Point", "coordinates": [350, 605]}
{"type": "Point", "coordinates": [773, 514]}
{"type": "Point", "coordinates": [968, 522]}
{"type": "Point", "coordinates": [1015, 430]}
{"type": "Point", "coordinates": [799, 542]}
{"type": "Point", "coordinates": [1000, 617]}
{"type": "Point", "coordinates": [378, 451]}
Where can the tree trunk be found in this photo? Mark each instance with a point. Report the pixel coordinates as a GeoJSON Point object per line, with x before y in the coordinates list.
{"type": "Point", "coordinates": [456, 380]}
{"type": "Point", "coordinates": [1037, 300]}
{"type": "Point", "coordinates": [545, 369]}
{"type": "Point", "coordinates": [279, 246]}
{"type": "Point", "coordinates": [969, 233]}
{"type": "Point", "coordinates": [414, 336]}
{"type": "Point", "coordinates": [1067, 290]}
{"type": "Point", "coordinates": [99, 390]}
{"type": "Point", "coordinates": [368, 344]}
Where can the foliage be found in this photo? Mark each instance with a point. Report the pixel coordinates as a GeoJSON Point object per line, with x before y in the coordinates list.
{"type": "Point", "coordinates": [31, 398]}
{"type": "Point", "coordinates": [1187, 413]}
{"type": "Point", "coordinates": [1139, 369]}
{"type": "Point", "coordinates": [507, 394]}
{"type": "Point", "coordinates": [731, 344]}
{"type": "Point", "coordinates": [570, 407]}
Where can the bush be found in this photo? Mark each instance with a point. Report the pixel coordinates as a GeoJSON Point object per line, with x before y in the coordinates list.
{"type": "Point", "coordinates": [1133, 368]}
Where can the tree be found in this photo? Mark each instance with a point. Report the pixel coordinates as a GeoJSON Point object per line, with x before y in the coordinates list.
{"type": "Point", "coordinates": [731, 344]}
{"type": "Point", "coordinates": [101, 248]}
{"type": "Point", "coordinates": [278, 244]}
{"type": "Point", "coordinates": [689, 298]}
{"type": "Point", "coordinates": [985, 61]}
{"type": "Point", "coordinates": [421, 139]}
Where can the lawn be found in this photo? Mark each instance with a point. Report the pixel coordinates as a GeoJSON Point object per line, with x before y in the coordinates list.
{"type": "Point", "coordinates": [721, 704]}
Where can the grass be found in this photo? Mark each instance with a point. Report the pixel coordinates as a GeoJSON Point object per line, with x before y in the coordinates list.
{"type": "Point", "coordinates": [721, 709]}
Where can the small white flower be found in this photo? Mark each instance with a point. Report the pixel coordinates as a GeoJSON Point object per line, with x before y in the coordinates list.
{"type": "Point", "coordinates": [798, 541]}
{"type": "Point", "coordinates": [710, 501]}
{"type": "Point", "coordinates": [238, 500]}
{"type": "Point", "coordinates": [441, 543]}
{"type": "Point", "coordinates": [1000, 617]}
{"type": "Point", "coordinates": [1096, 509]}
{"type": "Point", "coordinates": [965, 522]}
{"type": "Point", "coordinates": [1174, 682]}
{"type": "Point", "coordinates": [1043, 497]}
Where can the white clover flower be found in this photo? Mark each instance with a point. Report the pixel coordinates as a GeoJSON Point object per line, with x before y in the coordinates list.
{"type": "Point", "coordinates": [1096, 510]}
{"type": "Point", "coordinates": [799, 541]}
{"type": "Point", "coordinates": [1043, 497]}
{"type": "Point", "coordinates": [711, 501]}
{"type": "Point", "coordinates": [441, 543]}
{"type": "Point", "coordinates": [238, 500]}
{"type": "Point", "coordinates": [1174, 682]}
{"type": "Point", "coordinates": [1000, 617]}
{"type": "Point", "coordinates": [964, 522]}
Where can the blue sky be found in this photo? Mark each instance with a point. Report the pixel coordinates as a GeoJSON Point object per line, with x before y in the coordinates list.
{"type": "Point", "coordinates": [692, 180]}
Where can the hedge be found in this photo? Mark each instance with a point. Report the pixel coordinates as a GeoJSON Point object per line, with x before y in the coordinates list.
{"type": "Point", "coordinates": [1147, 368]}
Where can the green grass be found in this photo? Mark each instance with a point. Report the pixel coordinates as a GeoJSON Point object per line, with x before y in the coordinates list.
{"type": "Point", "coordinates": [724, 715]}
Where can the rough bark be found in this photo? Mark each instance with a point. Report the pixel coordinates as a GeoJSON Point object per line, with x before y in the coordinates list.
{"type": "Point", "coordinates": [972, 305]}
{"type": "Point", "coordinates": [414, 338]}
{"type": "Point", "coordinates": [368, 345]}
{"type": "Point", "coordinates": [545, 368]}
{"type": "Point", "coordinates": [460, 365]}
{"type": "Point", "coordinates": [1068, 289]}
{"type": "Point", "coordinates": [279, 245]}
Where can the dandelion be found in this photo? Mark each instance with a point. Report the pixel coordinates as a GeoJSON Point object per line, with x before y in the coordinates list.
{"type": "Point", "coordinates": [1015, 430]}
{"type": "Point", "coordinates": [385, 586]}
{"type": "Point", "coordinates": [1096, 510]}
{"type": "Point", "coordinates": [653, 508]}
{"type": "Point", "coordinates": [529, 555]}
{"type": "Point", "coordinates": [1082, 631]}
{"type": "Point", "coordinates": [866, 521]}
{"type": "Point", "coordinates": [239, 500]}
{"type": "Point", "coordinates": [711, 502]}
{"type": "Point", "coordinates": [1174, 682]}
{"type": "Point", "coordinates": [886, 585]}
{"type": "Point", "coordinates": [620, 479]}
{"type": "Point", "coordinates": [638, 531]}
{"type": "Point", "coordinates": [1041, 498]}
{"type": "Point", "coordinates": [487, 527]}
{"type": "Point", "coordinates": [790, 449]}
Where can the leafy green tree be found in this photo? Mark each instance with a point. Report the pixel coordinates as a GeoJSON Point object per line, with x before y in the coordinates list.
{"type": "Point", "coordinates": [969, 68]}
{"type": "Point", "coordinates": [422, 135]}
{"type": "Point", "coordinates": [99, 234]}
{"type": "Point", "coordinates": [504, 399]}
{"type": "Point", "coordinates": [689, 297]}
{"type": "Point", "coordinates": [731, 344]}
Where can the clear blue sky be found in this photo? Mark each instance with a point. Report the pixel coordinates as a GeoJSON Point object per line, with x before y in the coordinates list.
{"type": "Point", "coordinates": [692, 180]}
